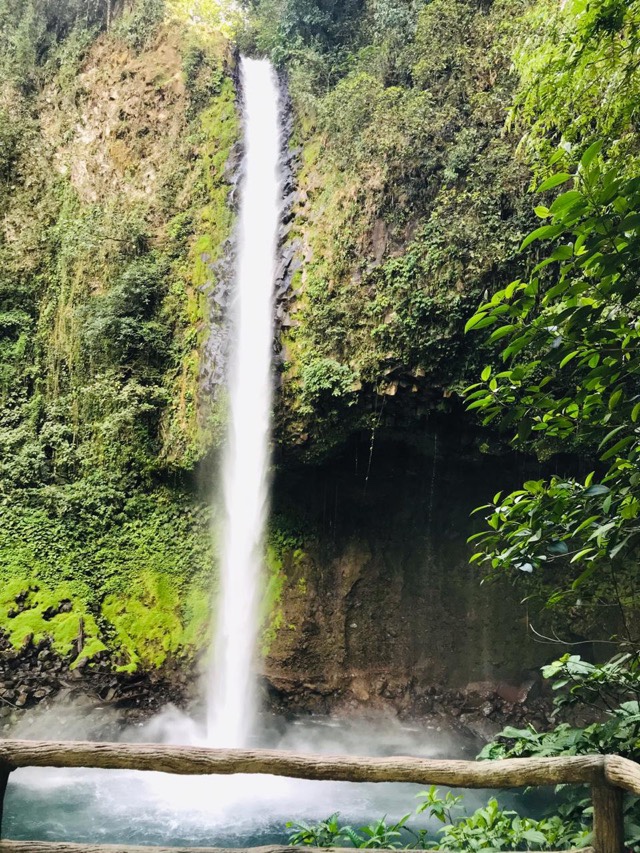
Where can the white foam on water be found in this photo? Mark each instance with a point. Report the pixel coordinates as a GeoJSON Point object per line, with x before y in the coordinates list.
{"type": "Point", "coordinates": [157, 808]}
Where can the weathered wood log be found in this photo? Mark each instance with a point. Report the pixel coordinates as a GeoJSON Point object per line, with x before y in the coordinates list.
{"type": "Point", "coordinates": [5, 770]}
{"type": "Point", "coordinates": [622, 773]}
{"type": "Point", "coordinates": [189, 760]}
{"type": "Point", "coordinates": [608, 829]}
{"type": "Point", "coordinates": [67, 847]}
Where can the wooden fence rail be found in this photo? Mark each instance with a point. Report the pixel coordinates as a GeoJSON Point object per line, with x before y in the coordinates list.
{"type": "Point", "coordinates": [609, 776]}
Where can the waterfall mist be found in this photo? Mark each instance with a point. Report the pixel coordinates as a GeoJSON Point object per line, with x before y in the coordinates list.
{"type": "Point", "coordinates": [230, 693]}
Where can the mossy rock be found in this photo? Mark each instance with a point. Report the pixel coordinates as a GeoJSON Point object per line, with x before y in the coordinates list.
{"type": "Point", "coordinates": [31, 611]}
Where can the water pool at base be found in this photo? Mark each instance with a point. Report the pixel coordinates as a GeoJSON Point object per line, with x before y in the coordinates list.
{"type": "Point", "coordinates": [124, 807]}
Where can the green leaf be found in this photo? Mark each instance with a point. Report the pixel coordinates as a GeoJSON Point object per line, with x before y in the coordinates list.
{"type": "Point", "coordinates": [565, 201]}
{"type": "Point", "coordinates": [569, 358]}
{"type": "Point", "coordinates": [554, 181]}
{"type": "Point", "coordinates": [545, 232]}
{"type": "Point", "coordinates": [586, 523]}
{"type": "Point", "coordinates": [609, 436]}
{"type": "Point", "coordinates": [615, 399]}
{"type": "Point", "coordinates": [586, 574]}
{"type": "Point", "coordinates": [534, 836]}
{"type": "Point", "coordinates": [590, 154]}
{"type": "Point", "coordinates": [484, 322]}
{"type": "Point", "coordinates": [597, 489]}
{"type": "Point", "coordinates": [562, 253]}
{"type": "Point", "coordinates": [475, 320]}
{"type": "Point", "coordinates": [502, 332]}
{"type": "Point", "coordinates": [619, 445]}
{"type": "Point", "coordinates": [579, 556]}
{"type": "Point", "coordinates": [486, 373]}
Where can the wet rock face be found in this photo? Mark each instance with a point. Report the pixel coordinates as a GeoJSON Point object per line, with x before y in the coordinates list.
{"type": "Point", "coordinates": [218, 290]}
{"type": "Point", "coordinates": [218, 293]}
{"type": "Point", "coordinates": [288, 261]}
{"type": "Point", "coordinates": [480, 715]}
{"type": "Point", "coordinates": [36, 678]}
{"type": "Point", "coordinates": [380, 606]}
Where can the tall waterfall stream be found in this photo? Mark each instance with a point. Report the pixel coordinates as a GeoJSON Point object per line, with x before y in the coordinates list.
{"type": "Point", "coordinates": [230, 691]}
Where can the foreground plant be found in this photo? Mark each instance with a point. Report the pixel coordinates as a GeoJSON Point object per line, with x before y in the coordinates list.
{"type": "Point", "coordinates": [488, 828]}
{"type": "Point", "coordinates": [609, 689]}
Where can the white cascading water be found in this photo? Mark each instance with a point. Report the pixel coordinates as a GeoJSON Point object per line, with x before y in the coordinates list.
{"type": "Point", "coordinates": [231, 701]}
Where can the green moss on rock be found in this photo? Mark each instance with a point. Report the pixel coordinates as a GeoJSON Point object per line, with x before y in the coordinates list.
{"type": "Point", "coordinates": [31, 611]}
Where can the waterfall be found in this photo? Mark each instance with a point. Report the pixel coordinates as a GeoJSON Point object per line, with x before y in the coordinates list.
{"type": "Point", "coordinates": [231, 700]}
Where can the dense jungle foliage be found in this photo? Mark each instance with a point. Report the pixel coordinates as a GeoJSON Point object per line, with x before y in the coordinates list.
{"type": "Point", "coordinates": [567, 329]}
{"type": "Point", "coordinates": [113, 216]}
{"type": "Point", "coordinates": [413, 202]}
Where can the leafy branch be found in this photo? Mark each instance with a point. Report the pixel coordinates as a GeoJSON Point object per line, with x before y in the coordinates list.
{"type": "Point", "coordinates": [571, 348]}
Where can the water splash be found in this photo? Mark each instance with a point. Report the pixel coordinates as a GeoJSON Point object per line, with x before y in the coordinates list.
{"type": "Point", "coordinates": [231, 700]}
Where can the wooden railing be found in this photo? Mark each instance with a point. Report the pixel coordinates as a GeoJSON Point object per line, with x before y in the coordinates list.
{"type": "Point", "coordinates": [609, 776]}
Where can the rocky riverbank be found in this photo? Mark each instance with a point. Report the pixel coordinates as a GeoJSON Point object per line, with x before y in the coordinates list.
{"type": "Point", "coordinates": [34, 677]}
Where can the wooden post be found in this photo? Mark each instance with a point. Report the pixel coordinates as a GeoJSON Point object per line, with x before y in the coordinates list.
{"type": "Point", "coordinates": [5, 770]}
{"type": "Point", "coordinates": [608, 830]}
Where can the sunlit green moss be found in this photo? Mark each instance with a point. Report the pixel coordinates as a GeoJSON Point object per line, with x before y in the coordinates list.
{"type": "Point", "coordinates": [30, 610]}
{"type": "Point", "coordinates": [271, 605]}
{"type": "Point", "coordinates": [284, 555]}
{"type": "Point", "coordinates": [146, 622]}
